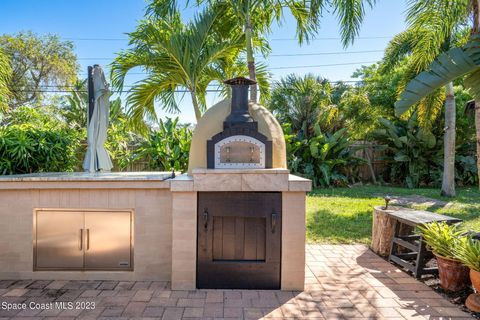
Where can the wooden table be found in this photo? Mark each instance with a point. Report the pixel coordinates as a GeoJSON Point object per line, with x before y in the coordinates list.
{"type": "Point", "coordinates": [414, 255]}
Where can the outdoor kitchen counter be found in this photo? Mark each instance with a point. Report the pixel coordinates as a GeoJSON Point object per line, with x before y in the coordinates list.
{"type": "Point", "coordinates": [81, 180]}
{"type": "Point", "coordinates": [164, 211]}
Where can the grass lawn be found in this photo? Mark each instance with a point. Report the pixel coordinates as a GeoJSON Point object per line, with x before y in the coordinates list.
{"type": "Point", "coordinates": [344, 215]}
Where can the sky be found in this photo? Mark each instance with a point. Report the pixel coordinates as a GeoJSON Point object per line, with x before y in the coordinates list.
{"type": "Point", "coordinates": [98, 30]}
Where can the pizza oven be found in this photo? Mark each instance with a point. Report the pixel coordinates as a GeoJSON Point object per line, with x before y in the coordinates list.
{"type": "Point", "coordinates": [250, 212]}
{"type": "Point", "coordinates": [240, 145]}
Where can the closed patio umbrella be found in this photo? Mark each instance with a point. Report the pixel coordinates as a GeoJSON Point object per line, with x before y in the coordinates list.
{"type": "Point", "coordinates": [97, 157]}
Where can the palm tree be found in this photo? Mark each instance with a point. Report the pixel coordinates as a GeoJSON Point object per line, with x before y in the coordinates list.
{"type": "Point", "coordinates": [476, 31]}
{"type": "Point", "coordinates": [457, 62]}
{"type": "Point", "coordinates": [411, 43]}
{"type": "Point", "coordinates": [255, 18]}
{"type": "Point", "coordinates": [303, 102]}
{"type": "Point", "coordinates": [177, 57]}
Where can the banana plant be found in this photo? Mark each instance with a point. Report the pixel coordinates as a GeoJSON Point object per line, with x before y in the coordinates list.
{"type": "Point", "coordinates": [445, 68]}
{"type": "Point", "coordinates": [324, 158]}
{"type": "Point", "coordinates": [413, 154]}
{"type": "Point", "coordinates": [168, 147]}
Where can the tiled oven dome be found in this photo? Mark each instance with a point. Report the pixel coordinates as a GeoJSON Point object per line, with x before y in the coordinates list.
{"type": "Point", "coordinates": [212, 122]}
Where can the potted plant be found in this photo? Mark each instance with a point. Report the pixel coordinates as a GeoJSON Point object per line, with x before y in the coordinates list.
{"type": "Point", "coordinates": [444, 241]}
{"type": "Point", "coordinates": [469, 254]}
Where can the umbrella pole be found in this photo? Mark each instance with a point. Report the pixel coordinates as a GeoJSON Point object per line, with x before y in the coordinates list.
{"type": "Point", "coordinates": [91, 98]}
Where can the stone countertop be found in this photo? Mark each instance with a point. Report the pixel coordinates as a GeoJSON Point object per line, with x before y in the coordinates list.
{"type": "Point", "coordinates": [203, 180]}
{"type": "Point", "coordinates": [86, 176]}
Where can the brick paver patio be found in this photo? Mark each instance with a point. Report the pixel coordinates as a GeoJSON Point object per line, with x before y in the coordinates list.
{"type": "Point", "coordinates": [342, 282]}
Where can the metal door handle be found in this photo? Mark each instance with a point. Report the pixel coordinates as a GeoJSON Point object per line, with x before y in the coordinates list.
{"type": "Point", "coordinates": [205, 218]}
{"type": "Point", "coordinates": [81, 239]}
{"type": "Point", "coordinates": [274, 221]}
{"type": "Point", "coordinates": [88, 239]}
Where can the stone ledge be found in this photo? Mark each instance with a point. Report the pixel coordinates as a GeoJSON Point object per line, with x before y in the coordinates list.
{"type": "Point", "coordinates": [296, 183]}
{"type": "Point", "coordinates": [248, 180]}
{"type": "Point", "coordinates": [181, 183]}
{"type": "Point", "coordinates": [86, 176]}
{"type": "Point", "coordinates": [238, 171]}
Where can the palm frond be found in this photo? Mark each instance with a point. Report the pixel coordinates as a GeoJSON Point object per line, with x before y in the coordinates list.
{"type": "Point", "coordinates": [398, 48]}
{"type": "Point", "coordinates": [142, 96]}
{"type": "Point", "coordinates": [350, 14]}
{"type": "Point", "coordinates": [124, 62]}
{"type": "Point", "coordinates": [444, 16]}
{"type": "Point", "coordinates": [175, 55]}
{"type": "Point", "coordinates": [430, 107]}
{"type": "Point", "coordinates": [445, 68]}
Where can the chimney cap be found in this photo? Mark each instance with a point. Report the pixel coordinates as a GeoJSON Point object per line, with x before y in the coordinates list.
{"type": "Point", "coordinates": [240, 81]}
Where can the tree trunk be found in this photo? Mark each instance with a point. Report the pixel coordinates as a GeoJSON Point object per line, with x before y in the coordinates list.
{"type": "Point", "coordinates": [476, 29]}
{"type": "Point", "coordinates": [477, 127]}
{"type": "Point", "coordinates": [196, 107]}
{"type": "Point", "coordinates": [250, 59]}
{"type": "Point", "coordinates": [448, 181]}
{"type": "Point", "coordinates": [369, 163]}
{"type": "Point", "coordinates": [383, 229]}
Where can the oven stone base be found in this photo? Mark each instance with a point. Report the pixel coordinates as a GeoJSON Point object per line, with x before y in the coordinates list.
{"type": "Point", "coordinates": [293, 215]}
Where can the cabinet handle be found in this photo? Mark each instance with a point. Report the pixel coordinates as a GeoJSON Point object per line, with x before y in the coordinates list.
{"type": "Point", "coordinates": [205, 218]}
{"type": "Point", "coordinates": [88, 239]}
{"type": "Point", "coordinates": [81, 239]}
{"type": "Point", "coordinates": [274, 221]}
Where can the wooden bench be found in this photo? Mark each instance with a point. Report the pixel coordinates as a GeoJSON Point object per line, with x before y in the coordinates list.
{"type": "Point", "coordinates": [409, 250]}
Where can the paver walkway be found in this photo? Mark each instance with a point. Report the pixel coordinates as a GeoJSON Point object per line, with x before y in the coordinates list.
{"type": "Point", "coordinates": [342, 282]}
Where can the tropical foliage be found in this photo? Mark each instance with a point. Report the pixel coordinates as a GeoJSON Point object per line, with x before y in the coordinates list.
{"type": "Point", "coordinates": [254, 18]}
{"type": "Point", "coordinates": [177, 57]}
{"type": "Point", "coordinates": [469, 253]}
{"type": "Point", "coordinates": [413, 155]}
{"type": "Point", "coordinates": [323, 157]}
{"type": "Point", "coordinates": [443, 239]}
{"type": "Point", "coordinates": [443, 19]}
{"type": "Point", "coordinates": [167, 148]}
{"type": "Point", "coordinates": [36, 141]}
{"type": "Point", "coordinates": [303, 102]}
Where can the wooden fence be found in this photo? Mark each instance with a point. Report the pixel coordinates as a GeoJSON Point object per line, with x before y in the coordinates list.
{"type": "Point", "coordinates": [374, 164]}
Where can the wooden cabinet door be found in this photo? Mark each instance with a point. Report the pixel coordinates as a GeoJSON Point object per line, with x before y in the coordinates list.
{"type": "Point", "coordinates": [239, 239]}
{"type": "Point", "coordinates": [108, 240]}
{"type": "Point", "coordinates": [59, 239]}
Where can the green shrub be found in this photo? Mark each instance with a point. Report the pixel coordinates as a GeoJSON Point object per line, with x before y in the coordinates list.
{"type": "Point", "coordinates": [443, 239]}
{"type": "Point", "coordinates": [168, 147]}
{"type": "Point", "coordinates": [469, 253]}
{"type": "Point", "coordinates": [413, 155]}
{"type": "Point", "coordinates": [466, 165]}
{"type": "Point", "coordinates": [324, 158]}
{"type": "Point", "coordinates": [27, 149]}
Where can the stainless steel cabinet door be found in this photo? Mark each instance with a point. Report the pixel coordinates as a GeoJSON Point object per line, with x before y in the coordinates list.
{"type": "Point", "coordinates": [59, 242]}
{"type": "Point", "coordinates": [108, 240]}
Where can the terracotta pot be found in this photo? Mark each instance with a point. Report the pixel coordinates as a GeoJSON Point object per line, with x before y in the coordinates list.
{"type": "Point", "coordinates": [475, 278]}
{"type": "Point", "coordinates": [473, 302]}
{"type": "Point", "coordinates": [453, 274]}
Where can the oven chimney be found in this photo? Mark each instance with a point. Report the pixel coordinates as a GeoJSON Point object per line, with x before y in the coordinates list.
{"type": "Point", "coordinates": [239, 107]}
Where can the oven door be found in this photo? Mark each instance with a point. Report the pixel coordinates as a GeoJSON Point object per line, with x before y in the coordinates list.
{"type": "Point", "coordinates": [239, 239]}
